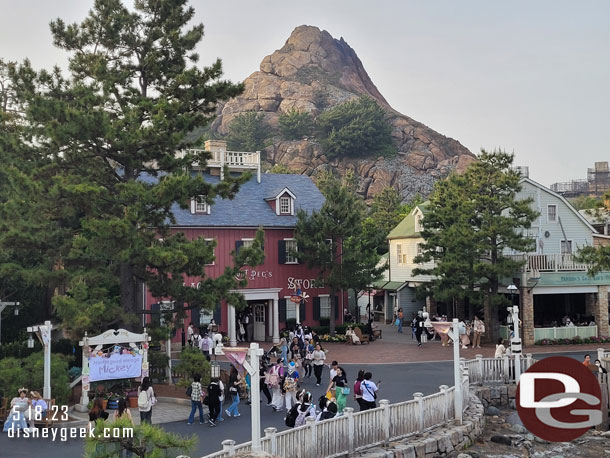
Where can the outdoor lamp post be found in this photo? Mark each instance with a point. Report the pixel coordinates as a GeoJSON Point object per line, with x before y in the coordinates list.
{"type": "Point", "coordinates": [512, 289]}
{"type": "Point", "coordinates": [515, 340]}
{"type": "Point", "coordinates": [215, 369]}
{"type": "Point", "coordinates": [43, 332]}
{"type": "Point", "coordinates": [30, 341]}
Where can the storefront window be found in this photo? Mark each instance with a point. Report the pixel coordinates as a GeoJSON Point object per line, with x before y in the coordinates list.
{"type": "Point", "coordinates": [325, 307]}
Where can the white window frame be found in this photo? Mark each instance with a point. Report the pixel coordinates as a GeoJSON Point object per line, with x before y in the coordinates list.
{"type": "Point", "coordinates": [289, 258]}
{"type": "Point", "coordinates": [291, 310]}
{"type": "Point", "coordinates": [205, 317]}
{"type": "Point", "coordinates": [419, 249]}
{"type": "Point", "coordinates": [285, 193]}
{"type": "Point", "coordinates": [399, 253]}
{"type": "Point", "coordinates": [556, 213]}
{"type": "Point", "coordinates": [326, 297]}
{"type": "Point", "coordinates": [199, 206]}
{"type": "Point", "coordinates": [285, 203]}
{"type": "Point", "coordinates": [247, 242]}
{"type": "Point", "coordinates": [214, 261]}
{"type": "Point", "coordinates": [164, 306]}
{"type": "Point", "coordinates": [571, 246]}
{"type": "Point", "coordinates": [419, 222]}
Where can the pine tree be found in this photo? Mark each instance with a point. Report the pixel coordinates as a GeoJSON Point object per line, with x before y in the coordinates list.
{"type": "Point", "coordinates": [333, 240]}
{"type": "Point", "coordinates": [472, 221]}
{"type": "Point", "coordinates": [105, 172]}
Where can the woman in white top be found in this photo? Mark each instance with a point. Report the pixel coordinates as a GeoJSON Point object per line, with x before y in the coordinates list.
{"type": "Point", "coordinates": [500, 349]}
{"type": "Point", "coordinates": [15, 419]}
{"type": "Point", "coordinates": [479, 330]}
{"type": "Point", "coordinates": [318, 363]}
{"type": "Point", "coordinates": [146, 400]}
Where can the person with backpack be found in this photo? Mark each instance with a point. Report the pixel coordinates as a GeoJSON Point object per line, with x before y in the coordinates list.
{"type": "Point", "coordinates": [274, 380]}
{"type": "Point", "coordinates": [263, 368]}
{"type": "Point", "coordinates": [213, 400]}
{"type": "Point", "coordinates": [146, 400]}
{"type": "Point", "coordinates": [369, 392]}
{"type": "Point", "coordinates": [304, 409]}
{"type": "Point", "coordinates": [205, 345]}
{"type": "Point", "coordinates": [307, 357]}
{"type": "Point", "coordinates": [195, 391]}
{"type": "Point", "coordinates": [328, 409]}
{"type": "Point", "coordinates": [358, 390]}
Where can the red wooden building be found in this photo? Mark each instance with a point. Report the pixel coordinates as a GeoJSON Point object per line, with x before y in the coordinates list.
{"type": "Point", "coordinates": [269, 201]}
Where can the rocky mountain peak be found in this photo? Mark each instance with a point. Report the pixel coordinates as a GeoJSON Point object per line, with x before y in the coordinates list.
{"type": "Point", "coordinates": [313, 72]}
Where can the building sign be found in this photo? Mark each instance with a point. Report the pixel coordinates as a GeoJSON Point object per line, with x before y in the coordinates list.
{"type": "Point", "coordinates": [573, 279]}
{"type": "Point", "coordinates": [114, 367]}
{"type": "Point", "coordinates": [307, 283]}
{"type": "Point", "coordinates": [252, 274]}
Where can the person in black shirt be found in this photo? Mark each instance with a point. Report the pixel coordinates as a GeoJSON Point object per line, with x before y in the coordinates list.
{"type": "Point", "coordinates": [97, 411]}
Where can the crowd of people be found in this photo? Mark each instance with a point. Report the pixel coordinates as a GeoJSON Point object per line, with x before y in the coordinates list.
{"type": "Point", "coordinates": [284, 371]}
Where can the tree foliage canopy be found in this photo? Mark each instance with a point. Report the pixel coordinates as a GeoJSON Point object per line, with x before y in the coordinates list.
{"type": "Point", "coordinates": [359, 127]}
{"type": "Point", "coordinates": [471, 222]}
{"type": "Point", "coordinates": [334, 241]}
{"type": "Point", "coordinates": [295, 124]}
{"type": "Point", "coordinates": [94, 156]}
{"type": "Point", "coordinates": [248, 132]}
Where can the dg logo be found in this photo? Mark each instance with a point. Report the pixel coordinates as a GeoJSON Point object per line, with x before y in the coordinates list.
{"type": "Point", "coordinates": [559, 399]}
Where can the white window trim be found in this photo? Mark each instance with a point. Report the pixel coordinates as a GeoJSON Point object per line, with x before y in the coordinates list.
{"type": "Point", "coordinates": [571, 246]}
{"type": "Point", "coordinates": [194, 210]}
{"type": "Point", "coordinates": [399, 256]}
{"type": "Point", "coordinates": [277, 202]}
{"type": "Point", "coordinates": [330, 305]}
{"type": "Point", "coordinates": [290, 205]}
{"type": "Point", "coordinates": [419, 217]}
{"type": "Point", "coordinates": [556, 213]}
{"type": "Point", "coordinates": [214, 261]}
{"type": "Point", "coordinates": [296, 261]}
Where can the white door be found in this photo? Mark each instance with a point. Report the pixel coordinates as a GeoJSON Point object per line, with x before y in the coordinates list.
{"type": "Point", "coordinates": [259, 322]}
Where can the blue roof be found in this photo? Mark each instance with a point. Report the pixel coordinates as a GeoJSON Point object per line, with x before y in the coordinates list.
{"type": "Point", "coordinates": [249, 208]}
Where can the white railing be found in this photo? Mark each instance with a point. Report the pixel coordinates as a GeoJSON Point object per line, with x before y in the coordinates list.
{"type": "Point", "coordinates": [551, 262]}
{"type": "Point", "coordinates": [239, 159]}
{"type": "Point", "coordinates": [564, 332]}
{"type": "Point", "coordinates": [356, 431]}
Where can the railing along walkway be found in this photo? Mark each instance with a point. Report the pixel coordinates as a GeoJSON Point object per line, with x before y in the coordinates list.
{"type": "Point", "coordinates": [356, 431]}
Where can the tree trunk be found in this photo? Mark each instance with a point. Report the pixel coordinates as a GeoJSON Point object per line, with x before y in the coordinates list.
{"type": "Point", "coordinates": [491, 319]}
{"type": "Point", "coordinates": [128, 294]}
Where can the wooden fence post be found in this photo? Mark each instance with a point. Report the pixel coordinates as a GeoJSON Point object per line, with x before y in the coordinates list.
{"type": "Point", "coordinates": [506, 365]}
{"type": "Point", "coordinates": [530, 360]}
{"type": "Point", "coordinates": [385, 405]}
{"type": "Point", "coordinates": [480, 376]}
{"type": "Point", "coordinates": [444, 389]}
{"type": "Point", "coordinates": [228, 445]}
{"type": "Point", "coordinates": [349, 414]}
{"type": "Point", "coordinates": [419, 397]}
{"type": "Point", "coordinates": [271, 433]}
{"type": "Point", "coordinates": [310, 422]}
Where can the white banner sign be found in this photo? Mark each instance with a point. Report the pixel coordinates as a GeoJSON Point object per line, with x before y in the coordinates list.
{"type": "Point", "coordinates": [115, 367]}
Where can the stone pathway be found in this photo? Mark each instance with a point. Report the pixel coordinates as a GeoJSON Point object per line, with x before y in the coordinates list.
{"type": "Point", "coordinates": [163, 412]}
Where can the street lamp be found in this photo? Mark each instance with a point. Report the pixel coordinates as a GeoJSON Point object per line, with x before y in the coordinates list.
{"type": "Point", "coordinates": [512, 289]}
{"type": "Point", "coordinates": [215, 369]}
{"type": "Point", "coordinates": [515, 340]}
{"type": "Point", "coordinates": [43, 332]}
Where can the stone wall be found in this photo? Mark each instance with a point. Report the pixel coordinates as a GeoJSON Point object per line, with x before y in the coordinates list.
{"type": "Point", "coordinates": [440, 441]}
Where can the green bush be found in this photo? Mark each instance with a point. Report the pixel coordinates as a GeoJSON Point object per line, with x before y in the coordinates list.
{"type": "Point", "coordinates": [157, 361]}
{"type": "Point", "coordinates": [295, 124]}
{"type": "Point", "coordinates": [356, 128]}
{"type": "Point", "coordinates": [192, 361]}
{"type": "Point", "coordinates": [248, 132]}
{"type": "Point", "coordinates": [29, 372]}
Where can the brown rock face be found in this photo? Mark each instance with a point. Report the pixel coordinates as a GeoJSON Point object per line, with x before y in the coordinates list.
{"type": "Point", "coordinates": [314, 71]}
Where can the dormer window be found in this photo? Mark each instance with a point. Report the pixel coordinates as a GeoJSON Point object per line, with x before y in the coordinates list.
{"type": "Point", "coordinates": [285, 205]}
{"type": "Point", "coordinates": [419, 222]}
{"type": "Point", "coordinates": [199, 206]}
{"type": "Point", "coordinates": [282, 202]}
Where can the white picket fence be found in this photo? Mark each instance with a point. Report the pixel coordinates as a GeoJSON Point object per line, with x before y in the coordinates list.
{"type": "Point", "coordinates": [354, 431]}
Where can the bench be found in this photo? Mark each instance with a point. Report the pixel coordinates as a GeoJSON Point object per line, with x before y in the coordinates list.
{"type": "Point", "coordinates": [51, 417]}
{"type": "Point", "coordinates": [3, 411]}
{"type": "Point", "coordinates": [363, 337]}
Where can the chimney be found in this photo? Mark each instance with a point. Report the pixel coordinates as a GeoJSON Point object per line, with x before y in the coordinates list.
{"type": "Point", "coordinates": [215, 146]}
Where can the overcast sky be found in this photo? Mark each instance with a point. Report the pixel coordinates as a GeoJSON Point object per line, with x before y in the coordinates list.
{"type": "Point", "coordinates": [531, 77]}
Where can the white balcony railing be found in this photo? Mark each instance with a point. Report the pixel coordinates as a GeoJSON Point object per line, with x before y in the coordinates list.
{"type": "Point", "coordinates": [238, 160]}
{"type": "Point", "coordinates": [550, 262]}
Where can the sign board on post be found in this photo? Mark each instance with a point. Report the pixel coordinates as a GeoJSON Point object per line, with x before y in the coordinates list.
{"type": "Point", "coordinates": [114, 367]}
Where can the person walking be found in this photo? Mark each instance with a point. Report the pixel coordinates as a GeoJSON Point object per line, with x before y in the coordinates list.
{"type": "Point", "coordinates": [339, 383]}
{"type": "Point", "coordinates": [358, 390]}
{"type": "Point", "coordinates": [419, 327]}
{"type": "Point", "coordinates": [399, 319]}
{"type": "Point", "coordinates": [146, 400]}
{"type": "Point", "coordinates": [196, 399]}
{"type": "Point", "coordinates": [234, 384]}
{"type": "Point", "coordinates": [369, 391]}
{"type": "Point", "coordinates": [319, 356]}
{"type": "Point", "coordinates": [206, 345]}
{"type": "Point", "coordinates": [290, 386]}
{"type": "Point", "coordinates": [308, 357]}
{"type": "Point", "coordinates": [263, 368]}
{"type": "Point", "coordinates": [304, 409]}
{"type": "Point", "coordinates": [221, 398]}
{"type": "Point", "coordinates": [479, 330]}
{"type": "Point", "coordinates": [189, 334]}
{"type": "Point", "coordinates": [214, 404]}
{"type": "Point", "coordinates": [284, 352]}
{"type": "Point", "coordinates": [465, 340]}
{"type": "Point", "coordinates": [274, 380]}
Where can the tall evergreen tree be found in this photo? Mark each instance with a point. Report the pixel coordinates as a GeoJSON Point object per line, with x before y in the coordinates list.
{"type": "Point", "coordinates": [471, 223]}
{"type": "Point", "coordinates": [333, 240]}
{"type": "Point", "coordinates": [106, 170]}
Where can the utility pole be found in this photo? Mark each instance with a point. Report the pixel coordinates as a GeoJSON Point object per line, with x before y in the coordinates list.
{"type": "Point", "coordinates": [4, 305]}
{"type": "Point", "coordinates": [454, 333]}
